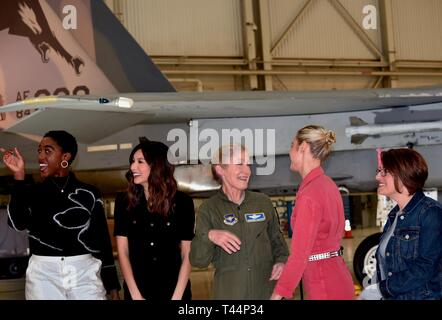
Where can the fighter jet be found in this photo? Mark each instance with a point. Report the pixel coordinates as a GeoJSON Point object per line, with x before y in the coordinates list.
{"type": "Point", "coordinates": [87, 84]}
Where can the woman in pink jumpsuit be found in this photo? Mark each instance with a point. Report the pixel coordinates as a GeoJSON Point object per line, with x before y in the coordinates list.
{"type": "Point", "coordinates": [317, 223]}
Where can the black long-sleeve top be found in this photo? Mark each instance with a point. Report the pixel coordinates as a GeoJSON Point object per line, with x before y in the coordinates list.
{"type": "Point", "coordinates": [64, 217]}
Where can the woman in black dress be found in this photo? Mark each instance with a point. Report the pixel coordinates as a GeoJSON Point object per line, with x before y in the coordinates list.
{"type": "Point", "coordinates": [154, 226]}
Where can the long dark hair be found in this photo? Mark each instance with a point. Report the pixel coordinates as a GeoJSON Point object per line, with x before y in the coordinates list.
{"type": "Point", "coordinates": [162, 184]}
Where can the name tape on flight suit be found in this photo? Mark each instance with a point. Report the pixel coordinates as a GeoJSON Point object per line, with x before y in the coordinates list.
{"type": "Point", "coordinates": [255, 217]}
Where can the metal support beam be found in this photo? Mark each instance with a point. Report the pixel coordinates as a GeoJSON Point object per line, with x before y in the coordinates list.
{"type": "Point", "coordinates": [197, 82]}
{"type": "Point", "coordinates": [329, 63]}
{"type": "Point", "coordinates": [265, 42]}
{"type": "Point", "coordinates": [422, 64]}
{"type": "Point", "coordinates": [378, 82]}
{"type": "Point", "coordinates": [249, 28]}
{"type": "Point", "coordinates": [356, 28]}
{"type": "Point", "coordinates": [387, 28]}
{"type": "Point", "coordinates": [118, 10]}
{"type": "Point", "coordinates": [364, 73]}
{"type": "Point", "coordinates": [218, 61]}
{"type": "Point", "coordinates": [295, 19]}
{"type": "Point", "coordinates": [198, 61]}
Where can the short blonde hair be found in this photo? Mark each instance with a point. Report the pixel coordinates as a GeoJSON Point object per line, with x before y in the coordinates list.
{"type": "Point", "coordinates": [319, 139]}
{"type": "Point", "coordinates": [223, 156]}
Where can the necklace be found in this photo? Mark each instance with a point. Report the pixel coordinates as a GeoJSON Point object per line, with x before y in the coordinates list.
{"type": "Point", "coordinates": [61, 188]}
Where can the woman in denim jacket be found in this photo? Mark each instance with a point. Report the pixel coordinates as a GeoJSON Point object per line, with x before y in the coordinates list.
{"type": "Point", "coordinates": [410, 249]}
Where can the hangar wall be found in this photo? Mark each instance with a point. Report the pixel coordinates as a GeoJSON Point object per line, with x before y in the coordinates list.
{"type": "Point", "coordinates": [282, 45]}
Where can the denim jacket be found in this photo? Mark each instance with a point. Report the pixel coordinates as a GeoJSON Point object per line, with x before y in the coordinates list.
{"type": "Point", "coordinates": [414, 252]}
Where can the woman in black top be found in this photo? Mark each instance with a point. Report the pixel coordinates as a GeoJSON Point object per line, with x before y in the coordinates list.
{"type": "Point", "coordinates": [68, 234]}
{"type": "Point", "coordinates": [154, 226]}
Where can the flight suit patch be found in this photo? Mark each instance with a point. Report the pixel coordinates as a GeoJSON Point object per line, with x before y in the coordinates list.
{"type": "Point", "coordinates": [255, 217]}
{"type": "Point", "coordinates": [230, 219]}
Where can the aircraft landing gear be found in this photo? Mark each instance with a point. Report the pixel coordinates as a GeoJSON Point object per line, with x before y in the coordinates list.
{"type": "Point", "coordinates": [364, 260]}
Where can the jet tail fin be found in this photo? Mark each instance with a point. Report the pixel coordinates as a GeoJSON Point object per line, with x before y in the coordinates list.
{"type": "Point", "coordinates": [91, 58]}
{"type": "Point", "coordinates": [134, 72]}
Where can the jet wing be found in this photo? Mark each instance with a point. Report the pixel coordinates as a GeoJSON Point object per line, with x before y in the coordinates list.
{"type": "Point", "coordinates": [87, 125]}
{"type": "Point", "coordinates": [92, 118]}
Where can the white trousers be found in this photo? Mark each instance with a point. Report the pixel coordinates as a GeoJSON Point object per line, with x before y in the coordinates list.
{"type": "Point", "coordinates": [64, 278]}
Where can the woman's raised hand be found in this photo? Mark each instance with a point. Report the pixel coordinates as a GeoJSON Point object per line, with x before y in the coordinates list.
{"type": "Point", "coordinates": [14, 161]}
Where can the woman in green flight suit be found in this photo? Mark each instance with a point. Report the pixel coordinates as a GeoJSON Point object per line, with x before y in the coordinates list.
{"type": "Point", "coordinates": [238, 232]}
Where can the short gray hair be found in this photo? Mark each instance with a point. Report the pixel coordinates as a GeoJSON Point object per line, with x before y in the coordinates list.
{"type": "Point", "coordinates": [223, 156]}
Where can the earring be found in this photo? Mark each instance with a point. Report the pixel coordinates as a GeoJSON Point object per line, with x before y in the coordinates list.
{"type": "Point", "coordinates": [64, 164]}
